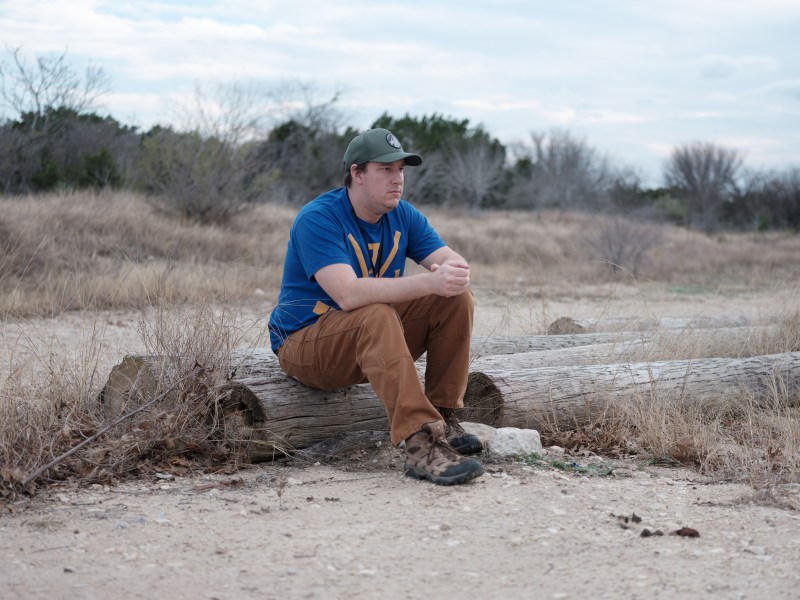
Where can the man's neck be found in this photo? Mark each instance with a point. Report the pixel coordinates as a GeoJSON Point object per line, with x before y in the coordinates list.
{"type": "Point", "coordinates": [359, 209]}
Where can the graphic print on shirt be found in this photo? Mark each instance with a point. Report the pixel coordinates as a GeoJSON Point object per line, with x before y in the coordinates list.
{"type": "Point", "coordinates": [375, 256]}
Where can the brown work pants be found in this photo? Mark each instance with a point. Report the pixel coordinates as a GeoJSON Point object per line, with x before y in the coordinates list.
{"type": "Point", "coordinates": [379, 343]}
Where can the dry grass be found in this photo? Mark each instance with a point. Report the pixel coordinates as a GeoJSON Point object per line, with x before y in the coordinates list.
{"type": "Point", "coordinates": [512, 248]}
{"type": "Point", "coordinates": [741, 437]}
{"type": "Point", "coordinates": [83, 251]}
{"type": "Point", "coordinates": [50, 410]}
{"type": "Point", "coordinates": [89, 252]}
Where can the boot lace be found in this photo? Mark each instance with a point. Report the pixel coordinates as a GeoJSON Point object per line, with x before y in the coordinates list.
{"type": "Point", "coordinates": [437, 441]}
{"type": "Point", "coordinates": [451, 422]}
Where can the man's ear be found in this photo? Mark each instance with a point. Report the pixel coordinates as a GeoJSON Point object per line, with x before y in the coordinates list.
{"type": "Point", "coordinates": [358, 176]}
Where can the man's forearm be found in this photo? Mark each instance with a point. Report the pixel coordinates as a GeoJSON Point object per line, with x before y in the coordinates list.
{"type": "Point", "coordinates": [363, 291]}
{"type": "Point", "coordinates": [349, 291]}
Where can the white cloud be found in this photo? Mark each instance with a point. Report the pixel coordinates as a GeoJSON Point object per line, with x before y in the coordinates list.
{"type": "Point", "coordinates": [493, 105]}
{"type": "Point", "coordinates": [613, 117]}
{"type": "Point", "coordinates": [717, 66]}
{"type": "Point", "coordinates": [562, 115]}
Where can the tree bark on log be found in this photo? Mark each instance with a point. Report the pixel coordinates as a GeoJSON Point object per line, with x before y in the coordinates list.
{"type": "Point", "coordinates": [562, 357]}
{"type": "Point", "coordinates": [635, 348]}
{"type": "Point", "coordinates": [513, 344]}
{"type": "Point", "coordinates": [651, 323]}
{"type": "Point", "coordinates": [273, 414]}
{"type": "Point", "coordinates": [570, 397]}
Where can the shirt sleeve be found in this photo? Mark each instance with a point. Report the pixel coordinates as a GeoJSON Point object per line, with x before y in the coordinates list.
{"type": "Point", "coordinates": [422, 237]}
{"type": "Point", "coordinates": [319, 241]}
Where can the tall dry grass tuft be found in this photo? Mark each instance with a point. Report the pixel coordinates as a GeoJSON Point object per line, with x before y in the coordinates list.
{"type": "Point", "coordinates": [52, 426]}
{"type": "Point", "coordinates": [45, 407]}
{"type": "Point", "coordinates": [738, 437]}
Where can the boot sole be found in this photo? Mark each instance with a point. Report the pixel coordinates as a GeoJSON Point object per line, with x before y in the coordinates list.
{"type": "Point", "coordinates": [415, 473]}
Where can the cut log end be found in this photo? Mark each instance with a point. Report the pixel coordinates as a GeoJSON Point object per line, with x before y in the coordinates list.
{"type": "Point", "coordinates": [483, 401]}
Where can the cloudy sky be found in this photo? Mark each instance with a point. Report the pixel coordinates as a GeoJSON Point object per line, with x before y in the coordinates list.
{"type": "Point", "coordinates": [633, 78]}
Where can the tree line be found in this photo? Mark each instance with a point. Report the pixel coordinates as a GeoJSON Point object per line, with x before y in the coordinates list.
{"type": "Point", "coordinates": [232, 149]}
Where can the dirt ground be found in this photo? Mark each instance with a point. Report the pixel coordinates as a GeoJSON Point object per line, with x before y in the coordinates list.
{"type": "Point", "coordinates": [565, 527]}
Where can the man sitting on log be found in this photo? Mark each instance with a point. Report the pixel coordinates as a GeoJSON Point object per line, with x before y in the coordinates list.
{"type": "Point", "coordinates": [347, 315]}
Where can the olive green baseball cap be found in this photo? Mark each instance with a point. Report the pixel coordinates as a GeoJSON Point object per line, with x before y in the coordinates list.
{"type": "Point", "coordinates": [377, 145]}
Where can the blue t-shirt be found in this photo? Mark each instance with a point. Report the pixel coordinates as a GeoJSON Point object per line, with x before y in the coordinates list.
{"type": "Point", "coordinates": [326, 231]}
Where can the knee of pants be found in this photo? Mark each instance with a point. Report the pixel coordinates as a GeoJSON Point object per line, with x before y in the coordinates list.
{"type": "Point", "coordinates": [463, 302]}
{"type": "Point", "coordinates": [378, 317]}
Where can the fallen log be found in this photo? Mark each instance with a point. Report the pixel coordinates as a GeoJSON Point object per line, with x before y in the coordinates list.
{"type": "Point", "coordinates": [562, 357]}
{"type": "Point", "coordinates": [276, 415]}
{"type": "Point", "coordinates": [513, 344]}
{"type": "Point", "coordinates": [650, 323]}
{"type": "Point", "coordinates": [636, 348]}
{"type": "Point", "coordinates": [272, 414]}
{"type": "Point", "coordinates": [569, 397]}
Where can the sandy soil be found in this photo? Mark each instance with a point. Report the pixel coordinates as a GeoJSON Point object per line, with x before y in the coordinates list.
{"type": "Point", "coordinates": [360, 529]}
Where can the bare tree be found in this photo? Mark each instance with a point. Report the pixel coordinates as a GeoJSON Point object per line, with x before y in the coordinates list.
{"type": "Point", "coordinates": [765, 200]}
{"type": "Point", "coordinates": [203, 170]}
{"type": "Point", "coordinates": [560, 171]}
{"type": "Point", "coordinates": [472, 171]}
{"type": "Point", "coordinates": [303, 153]}
{"type": "Point", "coordinates": [53, 138]}
{"type": "Point", "coordinates": [49, 84]}
{"type": "Point", "coordinates": [706, 176]}
{"type": "Point", "coordinates": [232, 113]}
{"type": "Point", "coordinates": [304, 103]}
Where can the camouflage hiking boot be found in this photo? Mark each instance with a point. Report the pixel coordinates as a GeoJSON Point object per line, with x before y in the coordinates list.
{"type": "Point", "coordinates": [461, 441]}
{"type": "Point", "coordinates": [429, 456]}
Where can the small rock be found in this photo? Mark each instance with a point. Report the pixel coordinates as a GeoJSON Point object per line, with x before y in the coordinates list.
{"type": "Point", "coordinates": [687, 532]}
{"type": "Point", "coordinates": [647, 533]}
{"type": "Point", "coordinates": [565, 325]}
{"type": "Point", "coordinates": [757, 550]}
{"type": "Point", "coordinates": [510, 442]}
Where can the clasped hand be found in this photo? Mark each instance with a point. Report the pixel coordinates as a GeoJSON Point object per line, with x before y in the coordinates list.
{"type": "Point", "coordinates": [451, 278]}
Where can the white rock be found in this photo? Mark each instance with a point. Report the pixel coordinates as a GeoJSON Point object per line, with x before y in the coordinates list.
{"type": "Point", "coordinates": [509, 442]}
{"type": "Point", "coordinates": [485, 433]}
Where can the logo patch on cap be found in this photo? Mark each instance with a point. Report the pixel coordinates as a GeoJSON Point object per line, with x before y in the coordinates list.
{"type": "Point", "coordinates": [392, 141]}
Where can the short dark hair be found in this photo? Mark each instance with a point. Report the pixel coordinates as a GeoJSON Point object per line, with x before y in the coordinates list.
{"type": "Point", "coordinates": [348, 177]}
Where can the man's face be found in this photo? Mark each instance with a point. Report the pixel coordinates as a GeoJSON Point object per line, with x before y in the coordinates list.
{"type": "Point", "coordinates": [383, 185]}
